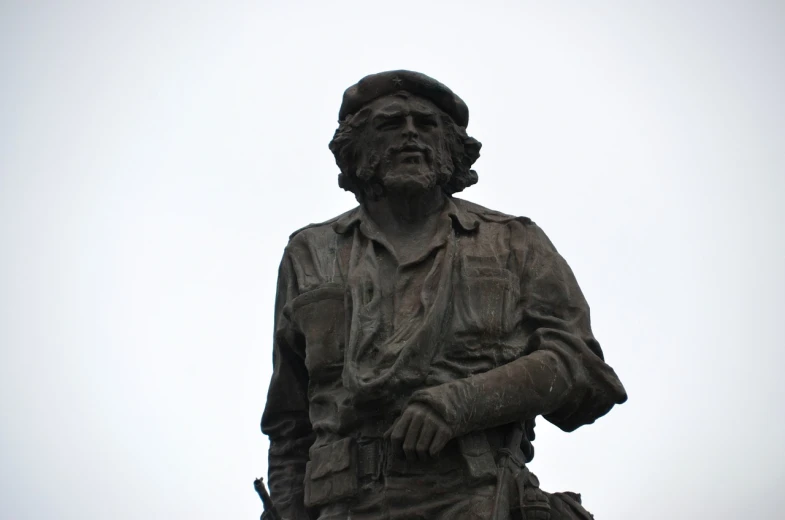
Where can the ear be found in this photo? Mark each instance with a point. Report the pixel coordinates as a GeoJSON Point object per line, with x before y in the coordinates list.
{"type": "Point", "coordinates": [472, 147]}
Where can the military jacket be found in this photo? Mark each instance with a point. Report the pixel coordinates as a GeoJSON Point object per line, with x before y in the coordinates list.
{"type": "Point", "coordinates": [359, 334]}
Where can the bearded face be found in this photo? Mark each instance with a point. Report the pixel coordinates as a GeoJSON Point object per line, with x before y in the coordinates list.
{"type": "Point", "coordinates": [404, 147]}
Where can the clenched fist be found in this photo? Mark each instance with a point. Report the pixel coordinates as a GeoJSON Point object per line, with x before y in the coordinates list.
{"type": "Point", "coordinates": [419, 432]}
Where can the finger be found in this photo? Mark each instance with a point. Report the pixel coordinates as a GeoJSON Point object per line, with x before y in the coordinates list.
{"type": "Point", "coordinates": [399, 430]}
{"type": "Point", "coordinates": [442, 437]}
{"type": "Point", "coordinates": [410, 443]}
{"type": "Point", "coordinates": [428, 431]}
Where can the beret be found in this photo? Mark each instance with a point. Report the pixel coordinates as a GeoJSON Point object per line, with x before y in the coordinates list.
{"type": "Point", "coordinates": [374, 86]}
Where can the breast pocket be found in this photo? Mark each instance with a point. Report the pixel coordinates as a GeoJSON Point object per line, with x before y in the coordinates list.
{"type": "Point", "coordinates": [486, 297]}
{"type": "Point", "coordinates": [319, 314]}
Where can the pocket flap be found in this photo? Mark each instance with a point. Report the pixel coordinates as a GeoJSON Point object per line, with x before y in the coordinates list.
{"type": "Point", "coordinates": [331, 474]}
{"type": "Point", "coordinates": [328, 291]}
{"type": "Point", "coordinates": [486, 267]}
{"type": "Point", "coordinates": [332, 458]}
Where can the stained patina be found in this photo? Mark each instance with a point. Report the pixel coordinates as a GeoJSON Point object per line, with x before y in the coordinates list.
{"type": "Point", "coordinates": [418, 336]}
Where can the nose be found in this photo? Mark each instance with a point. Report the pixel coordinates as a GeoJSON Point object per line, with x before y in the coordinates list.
{"type": "Point", "coordinates": [409, 130]}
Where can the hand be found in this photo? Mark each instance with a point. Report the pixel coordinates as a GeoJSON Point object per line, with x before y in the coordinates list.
{"type": "Point", "coordinates": [419, 432]}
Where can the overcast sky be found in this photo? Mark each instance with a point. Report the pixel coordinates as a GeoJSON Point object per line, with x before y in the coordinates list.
{"type": "Point", "coordinates": [155, 156]}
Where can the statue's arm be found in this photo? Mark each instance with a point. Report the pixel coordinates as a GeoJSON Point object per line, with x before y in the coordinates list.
{"type": "Point", "coordinates": [285, 420]}
{"type": "Point", "coordinates": [561, 375]}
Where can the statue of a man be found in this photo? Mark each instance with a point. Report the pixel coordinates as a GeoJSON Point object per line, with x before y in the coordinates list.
{"type": "Point", "coordinates": [418, 336]}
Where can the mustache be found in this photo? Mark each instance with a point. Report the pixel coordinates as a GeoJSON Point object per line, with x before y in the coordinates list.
{"type": "Point", "coordinates": [410, 146]}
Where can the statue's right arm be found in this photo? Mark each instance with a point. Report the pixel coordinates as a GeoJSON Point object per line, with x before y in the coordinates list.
{"type": "Point", "coordinates": [285, 420]}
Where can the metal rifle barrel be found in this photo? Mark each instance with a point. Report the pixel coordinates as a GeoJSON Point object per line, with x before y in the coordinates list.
{"type": "Point", "coordinates": [270, 512]}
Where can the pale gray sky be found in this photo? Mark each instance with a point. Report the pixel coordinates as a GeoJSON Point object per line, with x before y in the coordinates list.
{"type": "Point", "coordinates": [154, 157]}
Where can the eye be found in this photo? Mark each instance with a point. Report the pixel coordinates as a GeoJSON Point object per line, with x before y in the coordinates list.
{"type": "Point", "coordinates": [389, 124]}
{"type": "Point", "coordinates": [427, 122]}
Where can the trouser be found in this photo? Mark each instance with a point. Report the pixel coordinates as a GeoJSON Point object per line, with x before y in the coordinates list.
{"type": "Point", "coordinates": [460, 484]}
{"type": "Point", "coordinates": [446, 496]}
{"type": "Point", "coordinates": [404, 501]}
{"type": "Point", "coordinates": [439, 497]}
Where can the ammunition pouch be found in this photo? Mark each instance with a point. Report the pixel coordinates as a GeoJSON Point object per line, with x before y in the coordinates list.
{"type": "Point", "coordinates": [331, 474]}
{"type": "Point", "coordinates": [532, 501]}
{"type": "Point", "coordinates": [335, 470]}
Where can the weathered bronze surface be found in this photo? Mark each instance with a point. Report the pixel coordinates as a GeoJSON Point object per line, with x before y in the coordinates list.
{"type": "Point", "coordinates": [418, 335]}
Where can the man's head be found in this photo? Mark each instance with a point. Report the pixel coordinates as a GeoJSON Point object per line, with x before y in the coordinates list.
{"type": "Point", "coordinates": [402, 131]}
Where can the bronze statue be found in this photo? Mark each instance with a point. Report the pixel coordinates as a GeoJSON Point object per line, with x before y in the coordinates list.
{"type": "Point", "coordinates": [418, 336]}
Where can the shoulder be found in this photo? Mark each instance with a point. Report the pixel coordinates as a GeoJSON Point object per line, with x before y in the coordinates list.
{"type": "Point", "coordinates": [322, 228]}
{"type": "Point", "coordinates": [312, 251]}
{"type": "Point", "coordinates": [524, 233]}
{"type": "Point", "coordinates": [490, 215]}
{"type": "Point", "coordinates": [318, 239]}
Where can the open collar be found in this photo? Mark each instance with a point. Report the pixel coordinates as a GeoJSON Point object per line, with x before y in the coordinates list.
{"type": "Point", "coordinates": [461, 219]}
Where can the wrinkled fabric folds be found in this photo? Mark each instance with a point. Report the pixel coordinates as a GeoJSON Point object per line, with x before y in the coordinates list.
{"type": "Point", "coordinates": [493, 329]}
{"type": "Point", "coordinates": [373, 368]}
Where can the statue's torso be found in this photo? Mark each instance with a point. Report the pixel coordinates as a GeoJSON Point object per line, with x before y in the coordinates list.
{"type": "Point", "coordinates": [349, 285]}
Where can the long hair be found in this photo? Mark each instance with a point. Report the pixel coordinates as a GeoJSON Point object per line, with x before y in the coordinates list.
{"type": "Point", "coordinates": [347, 143]}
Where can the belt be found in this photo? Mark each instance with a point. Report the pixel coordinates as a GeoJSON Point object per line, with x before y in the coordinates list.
{"type": "Point", "coordinates": [375, 458]}
{"type": "Point", "coordinates": [371, 457]}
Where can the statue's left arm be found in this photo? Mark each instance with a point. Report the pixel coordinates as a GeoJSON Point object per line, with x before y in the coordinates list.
{"type": "Point", "coordinates": [561, 373]}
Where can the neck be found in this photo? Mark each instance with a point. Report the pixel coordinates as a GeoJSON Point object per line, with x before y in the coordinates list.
{"type": "Point", "coordinates": [399, 212]}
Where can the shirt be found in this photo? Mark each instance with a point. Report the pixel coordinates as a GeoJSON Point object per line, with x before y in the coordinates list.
{"type": "Point", "coordinates": [358, 335]}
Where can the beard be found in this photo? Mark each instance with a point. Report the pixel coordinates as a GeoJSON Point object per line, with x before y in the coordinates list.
{"type": "Point", "coordinates": [387, 173]}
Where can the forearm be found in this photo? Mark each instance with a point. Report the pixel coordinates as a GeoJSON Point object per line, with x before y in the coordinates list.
{"type": "Point", "coordinates": [288, 496]}
{"type": "Point", "coordinates": [286, 470]}
{"type": "Point", "coordinates": [562, 380]}
{"type": "Point", "coordinates": [533, 385]}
